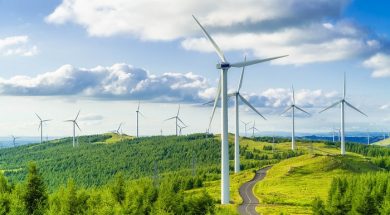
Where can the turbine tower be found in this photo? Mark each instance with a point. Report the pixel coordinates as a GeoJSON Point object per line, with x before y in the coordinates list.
{"type": "Point", "coordinates": [342, 103]}
{"type": "Point", "coordinates": [224, 66]}
{"type": "Point", "coordinates": [14, 140]}
{"type": "Point", "coordinates": [177, 119]}
{"type": "Point", "coordinates": [293, 106]}
{"type": "Point", "coordinates": [237, 95]}
{"type": "Point", "coordinates": [74, 121]}
{"type": "Point", "coordinates": [138, 113]}
{"type": "Point", "coordinates": [41, 121]}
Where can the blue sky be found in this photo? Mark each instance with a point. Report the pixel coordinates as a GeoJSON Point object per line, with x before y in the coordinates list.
{"type": "Point", "coordinates": [57, 57]}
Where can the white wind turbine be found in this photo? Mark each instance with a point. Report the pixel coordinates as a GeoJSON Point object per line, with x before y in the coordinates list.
{"type": "Point", "coordinates": [237, 95]}
{"type": "Point", "coordinates": [181, 128]}
{"type": "Point", "coordinates": [293, 106]}
{"type": "Point", "coordinates": [74, 121]}
{"type": "Point", "coordinates": [138, 113]}
{"type": "Point", "coordinates": [14, 140]}
{"type": "Point", "coordinates": [177, 119]}
{"type": "Point", "coordinates": [253, 128]}
{"type": "Point", "coordinates": [41, 121]}
{"type": "Point", "coordinates": [224, 66]}
{"type": "Point", "coordinates": [342, 103]}
{"type": "Point", "coordinates": [245, 125]}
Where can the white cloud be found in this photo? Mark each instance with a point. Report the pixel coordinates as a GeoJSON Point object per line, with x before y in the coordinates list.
{"type": "Point", "coordinates": [171, 19]}
{"type": "Point", "coordinates": [125, 82]}
{"type": "Point", "coordinates": [17, 45]}
{"type": "Point", "coordinates": [380, 64]}
{"type": "Point", "coordinates": [301, 28]}
{"type": "Point", "coordinates": [385, 107]}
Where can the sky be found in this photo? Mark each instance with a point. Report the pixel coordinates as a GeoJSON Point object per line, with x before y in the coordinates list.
{"type": "Point", "coordinates": [103, 57]}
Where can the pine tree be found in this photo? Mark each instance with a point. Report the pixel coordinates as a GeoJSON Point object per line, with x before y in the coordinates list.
{"type": "Point", "coordinates": [35, 197]}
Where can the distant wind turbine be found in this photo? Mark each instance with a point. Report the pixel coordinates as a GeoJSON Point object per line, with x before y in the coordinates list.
{"type": "Point", "coordinates": [41, 121]}
{"type": "Point", "coordinates": [224, 66]}
{"type": "Point", "coordinates": [293, 106]}
{"type": "Point", "coordinates": [74, 121]}
{"type": "Point", "coordinates": [181, 128]}
{"type": "Point", "coordinates": [177, 119]}
{"type": "Point", "coordinates": [245, 124]}
{"type": "Point", "coordinates": [253, 128]}
{"type": "Point", "coordinates": [14, 140]}
{"type": "Point", "coordinates": [138, 113]}
{"type": "Point", "coordinates": [342, 103]}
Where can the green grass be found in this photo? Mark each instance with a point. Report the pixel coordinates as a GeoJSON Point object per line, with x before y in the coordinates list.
{"type": "Point", "coordinates": [291, 185]}
{"type": "Point", "coordinates": [385, 142]}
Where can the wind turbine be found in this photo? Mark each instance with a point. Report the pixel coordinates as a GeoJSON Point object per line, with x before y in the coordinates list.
{"type": "Point", "coordinates": [41, 121]}
{"type": "Point", "coordinates": [14, 140]}
{"type": "Point", "coordinates": [177, 119]}
{"type": "Point", "coordinates": [245, 124]}
{"type": "Point", "coordinates": [138, 113]}
{"type": "Point", "coordinates": [181, 127]}
{"type": "Point", "coordinates": [118, 131]}
{"type": "Point", "coordinates": [342, 103]}
{"type": "Point", "coordinates": [293, 106]}
{"type": "Point", "coordinates": [74, 121]}
{"type": "Point", "coordinates": [224, 66]}
{"type": "Point", "coordinates": [253, 129]}
{"type": "Point", "coordinates": [237, 95]}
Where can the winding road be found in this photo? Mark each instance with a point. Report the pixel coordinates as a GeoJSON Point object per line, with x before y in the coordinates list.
{"type": "Point", "coordinates": [248, 207]}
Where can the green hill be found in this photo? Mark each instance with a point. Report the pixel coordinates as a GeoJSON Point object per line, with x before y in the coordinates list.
{"type": "Point", "coordinates": [291, 185]}
{"type": "Point", "coordinates": [385, 142]}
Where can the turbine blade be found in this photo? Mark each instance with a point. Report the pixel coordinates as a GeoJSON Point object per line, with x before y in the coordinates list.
{"type": "Point", "coordinates": [141, 114]}
{"type": "Point", "coordinates": [170, 118]}
{"type": "Point", "coordinates": [251, 62]}
{"type": "Point", "coordinates": [344, 89]}
{"type": "Point", "coordinates": [302, 110]}
{"type": "Point", "coordinates": [178, 111]}
{"type": "Point", "coordinates": [39, 127]}
{"type": "Point", "coordinates": [77, 125]}
{"type": "Point", "coordinates": [209, 102]}
{"type": "Point", "coordinates": [138, 105]}
{"type": "Point", "coordinates": [293, 94]}
{"type": "Point", "coordinates": [355, 108]}
{"type": "Point", "coordinates": [71, 120]}
{"type": "Point", "coordinates": [217, 49]}
{"type": "Point", "coordinates": [77, 116]}
{"type": "Point", "coordinates": [215, 101]}
{"type": "Point", "coordinates": [249, 105]}
{"type": "Point", "coordinates": [285, 111]}
{"type": "Point", "coordinates": [242, 76]}
{"type": "Point", "coordinates": [181, 121]}
{"type": "Point", "coordinates": [38, 117]}
{"type": "Point", "coordinates": [330, 106]}
{"type": "Point", "coordinates": [231, 94]}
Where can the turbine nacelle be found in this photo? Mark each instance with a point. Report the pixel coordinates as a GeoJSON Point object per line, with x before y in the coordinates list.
{"type": "Point", "coordinates": [223, 66]}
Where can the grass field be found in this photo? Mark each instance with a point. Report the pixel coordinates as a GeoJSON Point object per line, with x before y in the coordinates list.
{"type": "Point", "coordinates": [385, 142]}
{"type": "Point", "coordinates": [291, 185]}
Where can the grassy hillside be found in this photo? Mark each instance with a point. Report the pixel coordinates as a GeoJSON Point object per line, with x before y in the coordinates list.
{"type": "Point", "coordinates": [291, 185]}
{"type": "Point", "coordinates": [385, 142]}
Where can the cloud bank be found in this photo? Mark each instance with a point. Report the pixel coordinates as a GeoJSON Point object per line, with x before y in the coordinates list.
{"type": "Point", "coordinates": [309, 31]}
{"type": "Point", "coordinates": [17, 45]}
{"type": "Point", "coordinates": [126, 82]}
{"type": "Point", "coordinates": [380, 64]}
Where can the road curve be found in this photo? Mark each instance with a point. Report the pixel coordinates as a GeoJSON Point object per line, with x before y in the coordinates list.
{"type": "Point", "coordinates": [248, 207]}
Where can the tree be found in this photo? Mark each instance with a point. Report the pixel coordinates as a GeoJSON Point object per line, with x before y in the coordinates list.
{"type": "Point", "coordinates": [318, 206]}
{"type": "Point", "coordinates": [35, 197]}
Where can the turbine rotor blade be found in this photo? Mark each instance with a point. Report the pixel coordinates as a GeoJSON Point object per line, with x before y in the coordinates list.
{"type": "Point", "coordinates": [242, 76]}
{"type": "Point", "coordinates": [170, 118]}
{"type": "Point", "coordinates": [38, 117]}
{"type": "Point", "coordinates": [302, 110]}
{"type": "Point", "coordinates": [77, 116]}
{"type": "Point", "coordinates": [293, 94]}
{"type": "Point", "coordinates": [181, 121]}
{"type": "Point", "coordinates": [285, 111]}
{"type": "Point", "coordinates": [217, 49]}
{"type": "Point", "coordinates": [331, 106]}
{"type": "Point", "coordinates": [77, 125]}
{"type": "Point", "coordinates": [138, 106]}
{"type": "Point", "coordinates": [178, 111]}
{"type": "Point", "coordinates": [249, 105]}
{"type": "Point", "coordinates": [344, 89]}
{"type": "Point", "coordinates": [216, 101]}
{"type": "Point", "coordinates": [351, 106]}
{"type": "Point", "coordinates": [251, 62]}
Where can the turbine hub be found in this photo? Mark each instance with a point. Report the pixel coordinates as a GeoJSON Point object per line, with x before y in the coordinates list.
{"type": "Point", "coordinates": [223, 65]}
